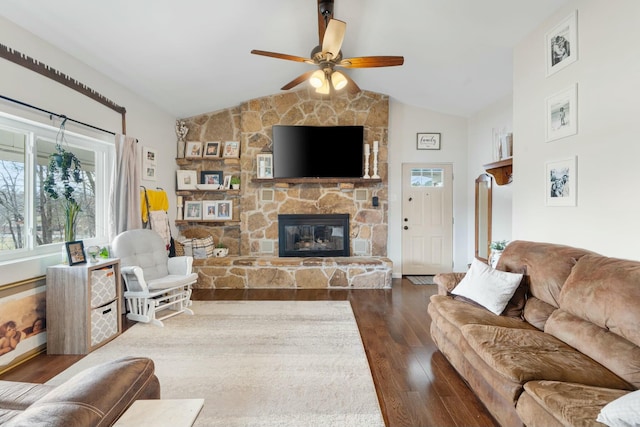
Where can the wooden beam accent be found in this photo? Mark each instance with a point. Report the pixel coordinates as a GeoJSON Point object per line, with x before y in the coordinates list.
{"type": "Point", "coordinates": [49, 72]}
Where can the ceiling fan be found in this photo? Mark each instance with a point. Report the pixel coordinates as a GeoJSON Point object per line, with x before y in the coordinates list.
{"type": "Point", "coordinates": [327, 56]}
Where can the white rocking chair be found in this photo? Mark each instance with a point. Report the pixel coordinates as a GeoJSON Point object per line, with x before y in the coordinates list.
{"type": "Point", "coordinates": [154, 282]}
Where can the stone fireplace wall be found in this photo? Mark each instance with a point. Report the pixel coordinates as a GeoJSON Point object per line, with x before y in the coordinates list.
{"type": "Point", "coordinates": [260, 203]}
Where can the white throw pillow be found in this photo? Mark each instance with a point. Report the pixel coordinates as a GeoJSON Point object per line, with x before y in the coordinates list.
{"type": "Point", "coordinates": [622, 412]}
{"type": "Point", "coordinates": [490, 288]}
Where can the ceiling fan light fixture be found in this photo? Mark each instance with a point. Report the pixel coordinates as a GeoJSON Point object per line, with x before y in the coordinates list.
{"type": "Point", "coordinates": [317, 79]}
{"type": "Point", "coordinates": [338, 80]}
{"type": "Point", "coordinates": [324, 89]}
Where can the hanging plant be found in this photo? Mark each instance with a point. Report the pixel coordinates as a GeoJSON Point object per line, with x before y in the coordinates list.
{"type": "Point", "coordinates": [64, 168]}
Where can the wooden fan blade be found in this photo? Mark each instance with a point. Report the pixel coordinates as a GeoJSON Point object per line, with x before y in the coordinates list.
{"type": "Point", "coordinates": [282, 56]}
{"type": "Point", "coordinates": [371, 61]}
{"type": "Point", "coordinates": [295, 82]}
{"type": "Point", "coordinates": [333, 38]}
{"type": "Point", "coordinates": [352, 87]}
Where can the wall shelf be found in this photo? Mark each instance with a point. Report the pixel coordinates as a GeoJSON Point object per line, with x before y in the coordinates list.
{"type": "Point", "coordinates": [502, 170]}
{"type": "Point", "coordinates": [213, 222]}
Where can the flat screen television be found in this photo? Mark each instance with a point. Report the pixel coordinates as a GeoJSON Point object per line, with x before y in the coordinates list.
{"type": "Point", "coordinates": [318, 151]}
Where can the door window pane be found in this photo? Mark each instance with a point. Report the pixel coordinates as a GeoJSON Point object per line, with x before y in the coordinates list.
{"type": "Point", "coordinates": [427, 177]}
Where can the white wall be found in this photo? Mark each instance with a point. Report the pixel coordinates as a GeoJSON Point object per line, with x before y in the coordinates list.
{"type": "Point", "coordinates": [404, 123]}
{"type": "Point", "coordinates": [607, 74]}
{"type": "Point", "coordinates": [152, 126]}
{"type": "Point", "coordinates": [481, 126]}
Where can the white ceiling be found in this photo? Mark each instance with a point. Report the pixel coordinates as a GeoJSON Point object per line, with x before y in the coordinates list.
{"type": "Point", "coordinates": [192, 56]}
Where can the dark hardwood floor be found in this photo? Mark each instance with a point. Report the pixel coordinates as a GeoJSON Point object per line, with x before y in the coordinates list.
{"type": "Point", "coordinates": [416, 385]}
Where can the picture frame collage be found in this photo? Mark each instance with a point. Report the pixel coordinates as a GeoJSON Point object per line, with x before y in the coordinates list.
{"type": "Point", "coordinates": [187, 179]}
{"type": "Point", "coordinates": [212, 150]}
{"type": "Point", "coordinates": [561, 112]}
{"type": "Point", "coordinates": [208, 210]}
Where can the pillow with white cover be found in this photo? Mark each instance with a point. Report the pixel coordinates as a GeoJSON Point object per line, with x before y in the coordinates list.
{"type": "Point", "coordinates": [490, 288]}
{"type": "Point", "coordinates": [622, 412]}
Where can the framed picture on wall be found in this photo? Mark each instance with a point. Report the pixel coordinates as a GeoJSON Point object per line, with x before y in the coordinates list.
{"type": "Point", "coordinates": [231, 150]}
{"type": "Point", "coordinates": [211, 177]}
{"type": "Point", "coordinates": [211, 149]}
{"type": "Point", "coordinates": [187, 179]}
{"type": "Point", "coordinates": [225, 209]}
{"type": "Point", "coordinates": [428, 141]}
{"type": "Point", "coordinates": [192, 210]}
{"type": "Point", "coordinates": [561, 182]}
{"type": "Point", "coordinates": [193, 150]}
{"type": "Point", "coordinates": [562, 114]}
{"type": "Point", "coordinates": [209, 209]}
{"type": "Point", "coordinates": [561, 44]}
{"type": "Point", "coordinates": [264, 165]}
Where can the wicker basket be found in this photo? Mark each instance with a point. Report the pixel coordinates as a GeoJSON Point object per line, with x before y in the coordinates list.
{"type": "Point", "coordinates": [191, 233]}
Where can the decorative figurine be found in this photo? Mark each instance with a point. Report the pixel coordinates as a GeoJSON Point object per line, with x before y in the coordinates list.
{"type": "Point", "coordinates": [181, 132]}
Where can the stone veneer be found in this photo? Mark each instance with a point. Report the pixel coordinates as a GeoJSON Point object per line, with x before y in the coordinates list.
{"type": "Point", "coordinates": [302, 273]}
{"type": "Point", "coordinates": [251, 123]}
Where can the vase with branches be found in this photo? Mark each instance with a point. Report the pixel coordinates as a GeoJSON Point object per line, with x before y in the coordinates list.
{"type": "Point", "coordinates": [64, 169]}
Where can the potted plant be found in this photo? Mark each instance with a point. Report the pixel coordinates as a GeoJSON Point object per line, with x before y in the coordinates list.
{"type": "Point", "coordinates": [64, 168]}
{"type": "Point", "coordinates": [220, 250]}
{"type": "Point", "coordinates": [235, 182]}
{"type": "Point", "coordinates": [497, 247]}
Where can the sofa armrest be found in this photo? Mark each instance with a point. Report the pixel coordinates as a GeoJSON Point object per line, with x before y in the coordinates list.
{"type": "Point", "coordinates": [97, 396]}
{"type": "Point", "coordinates": [447, 281]}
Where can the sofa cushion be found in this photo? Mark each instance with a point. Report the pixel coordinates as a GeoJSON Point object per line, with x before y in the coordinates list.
{"type": "Point", "coordinates": [620, 356]}
{"type": "Point", "coordinates": [569, 403]}
{"type": "Point", "coordinates": [622, 412]}
{"type": "Point", "coordinates": [490, 288]}
{"type": "Point", "coordinates": [537, 312]}
{"type": "Point", "coordinates": [605, 291]}
{"type": "Point", "coordinates": [527, 354]}
{"type": "Point", "coordinates": [95, 397]}
{"type": "Point", "coordinates": [547, 265]}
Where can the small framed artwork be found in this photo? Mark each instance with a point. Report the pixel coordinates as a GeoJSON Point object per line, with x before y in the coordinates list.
{"type": "Point", "coordinates": [187, 179]}
{"type": "Point", "coordinates": [225, 209]}
{"type": "Point", "coordinates": [226, 185]}
{"type": "Point", "coordinates": [75, 252]}
{"type": "Point", "coordinates": [209, 209]}
{"type": "Point", "coordinates": [192, 210]}
{"type": "Point", "coordinates": [211, 149]}
{"type": "Point", "coordinates": [149, 163]}
{"type": "Point", "coordinates": [428, 141]}
{"type": "Point", "coordinates": [150, 173]}
{"type": "Point", "coordinates": [562, 114]}
{"type": "Point", "coordinates": [561, 44]}
{"type": "Point", "coordinates": [193, 150]}
{"type": "Point", "coordinates": [211, 177]}
{"type": "Point", "coordinates": [561, 179]}
{"type": "Point", "coordinates": [264, 164]}
{"type": "Point", "coordinates": [231, 150]}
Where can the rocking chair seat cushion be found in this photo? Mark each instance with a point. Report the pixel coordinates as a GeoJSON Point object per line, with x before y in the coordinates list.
{"type": "Point", "coordinates": [171, 281]}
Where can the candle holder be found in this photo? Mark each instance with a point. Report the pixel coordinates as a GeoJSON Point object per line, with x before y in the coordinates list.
{"type": "Point", "coordinates": [366, 165]}
{"type": "Point", "coordinates": [375, 162]}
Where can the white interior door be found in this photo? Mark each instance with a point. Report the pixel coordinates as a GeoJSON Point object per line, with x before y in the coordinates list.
{"type": "Point", "coordinates": [427, 218]}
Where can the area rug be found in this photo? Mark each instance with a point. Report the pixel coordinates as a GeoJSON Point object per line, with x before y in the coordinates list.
{"type": "Point", "coordinates": [258, 363]}
{"type": "Point", "coordinates": [421, 280]}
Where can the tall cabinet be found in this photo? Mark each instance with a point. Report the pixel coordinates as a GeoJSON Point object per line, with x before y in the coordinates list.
{"type": "Point", "coordinates": [83, 306]}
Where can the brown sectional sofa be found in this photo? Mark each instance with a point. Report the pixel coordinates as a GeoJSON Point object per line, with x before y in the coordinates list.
{"type": "Point", "coordinates": [567, 343]}
{"type": "Point", "coordinates": [95, 397]}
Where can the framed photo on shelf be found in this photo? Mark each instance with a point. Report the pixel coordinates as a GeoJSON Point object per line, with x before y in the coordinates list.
{"type": "Point", "coordinates": [193, 150]}
{"type": "Point", "coordinates": [264, 165]}
{"type": "Point", "coordinates": [211, 177]}
{"type": "Point", "coordinates": [428, 141]}
{"type": "Point", "coordinates": [562, 113]}
{"type": "Point", "coordinates": [231, 150]}
{"type": "Point", "coordinates": [224, 209]}
{"type": "Point", "coordinates": [209, 209]}
{"type": "Point", "coordinates": [192, 210]}
{"type": "Point", "coordinates": [75, 252]}
{"type": "Point", "coordinates": [561, 180]}
{"type": "Point", "coordinates": [226, 185]}
{"type": "Point", "coordinates": [211, 149]}
{"type": "Point", "coordinates": [561, 44]}
{"type": "Point", "coordinates": [187, 179]}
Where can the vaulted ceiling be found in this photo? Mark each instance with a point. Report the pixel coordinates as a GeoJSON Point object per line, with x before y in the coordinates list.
{"type": "Point", "coordinates": [193, 56]}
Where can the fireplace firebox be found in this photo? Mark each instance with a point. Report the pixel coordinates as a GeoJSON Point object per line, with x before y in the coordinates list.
{"type": "Point", "coordinates": [315, 235]}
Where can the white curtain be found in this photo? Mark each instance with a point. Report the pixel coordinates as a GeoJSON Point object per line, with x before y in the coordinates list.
{"type": "Point", "coordinates": [124, 198]}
